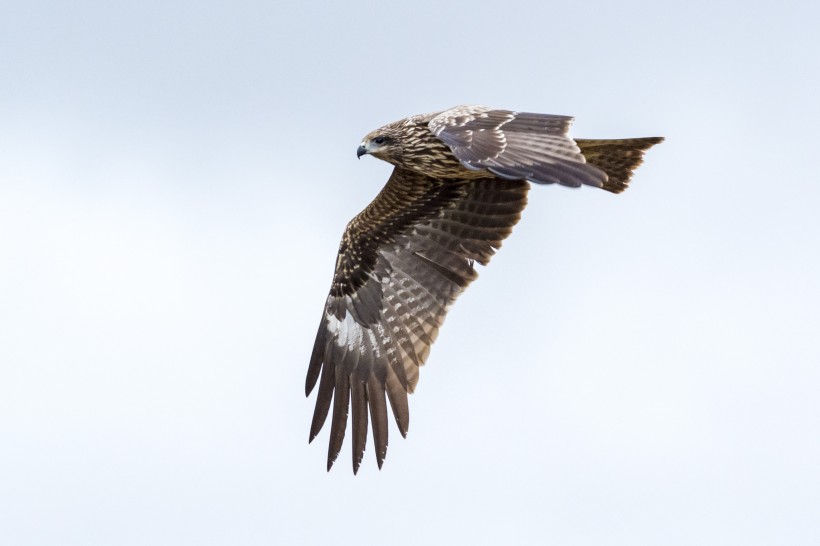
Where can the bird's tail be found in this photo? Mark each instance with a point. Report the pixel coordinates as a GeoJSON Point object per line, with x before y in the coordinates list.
{"type": "Point", "coordinates": [617, 158]}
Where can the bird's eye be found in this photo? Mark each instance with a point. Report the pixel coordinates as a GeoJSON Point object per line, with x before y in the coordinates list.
{"type": "Point", "coordinates": [379, 140]}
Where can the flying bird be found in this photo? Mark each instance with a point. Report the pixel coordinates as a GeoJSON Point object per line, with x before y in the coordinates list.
{"type": "Point", "coordinates": [458, 187]}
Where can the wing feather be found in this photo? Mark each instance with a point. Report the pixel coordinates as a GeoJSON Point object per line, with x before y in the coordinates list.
{"type": "Point", "coordinates": [358, 401]}
{"type": "Point", "coordinates": [516, 145]}
{"type": "Point", "coordinates": [378, 416]}
{"type": "Point", "coordinates": [402, 262]}
{"type": "Point", "coordinates": [338, 422]}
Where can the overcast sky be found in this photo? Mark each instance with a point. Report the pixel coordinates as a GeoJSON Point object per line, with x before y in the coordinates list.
{"type": "Point", "coordinates": [632, 369]}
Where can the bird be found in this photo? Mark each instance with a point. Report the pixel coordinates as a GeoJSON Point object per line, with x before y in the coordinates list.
{"type": "Point", "coordinates": [459, 184]}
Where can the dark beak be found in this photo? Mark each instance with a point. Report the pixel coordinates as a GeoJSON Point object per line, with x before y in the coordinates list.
{"type": "Point", "coordinates": [361, 151]}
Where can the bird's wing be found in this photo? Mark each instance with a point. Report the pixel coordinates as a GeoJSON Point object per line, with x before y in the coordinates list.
{"type": "Point", "coordinates": [516, 145]}
{"type": "Point", "coordinates": [402, 262]}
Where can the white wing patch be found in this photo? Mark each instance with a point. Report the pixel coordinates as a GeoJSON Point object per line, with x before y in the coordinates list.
{"type": "Point", "coordinates": [346, 333]}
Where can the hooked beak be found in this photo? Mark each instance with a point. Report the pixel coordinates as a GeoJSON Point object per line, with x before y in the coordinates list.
{"type": "Point", "coordinates": [361, 151]}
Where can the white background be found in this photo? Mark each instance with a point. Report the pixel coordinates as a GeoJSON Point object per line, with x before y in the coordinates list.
{"type": "Point", "coordinates": [633, 369]}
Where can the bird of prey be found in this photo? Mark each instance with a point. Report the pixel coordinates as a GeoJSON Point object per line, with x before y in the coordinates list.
{"type": "Point", "coordinates": [459, 185]}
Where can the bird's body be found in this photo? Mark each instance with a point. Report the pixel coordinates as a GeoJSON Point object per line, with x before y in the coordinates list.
{"type": "Point", "coordinates": [459, 185]}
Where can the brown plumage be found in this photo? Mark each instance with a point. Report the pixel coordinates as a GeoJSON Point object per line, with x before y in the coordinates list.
{"type": "Point", "coordinates": [459, 185]}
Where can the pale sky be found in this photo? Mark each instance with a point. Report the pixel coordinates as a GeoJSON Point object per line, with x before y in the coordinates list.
{"type": "Point", "coordinates": [632, 369]}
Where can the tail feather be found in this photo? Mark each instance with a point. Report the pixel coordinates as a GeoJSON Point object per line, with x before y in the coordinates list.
{"type": "Point", "coordinates": [617, 158]}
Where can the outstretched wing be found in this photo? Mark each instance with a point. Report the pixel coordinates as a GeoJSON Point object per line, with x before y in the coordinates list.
{"type": "Point", "coordinates": [402, 262]}
{"type": "Point", "coordinates": [516, 145]}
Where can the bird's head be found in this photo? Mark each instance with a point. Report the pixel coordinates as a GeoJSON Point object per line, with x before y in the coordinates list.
{"type": "Point", "coordinates": [384, 143]}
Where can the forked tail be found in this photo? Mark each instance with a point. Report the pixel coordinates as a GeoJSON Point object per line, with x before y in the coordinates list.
{"type": "Point", "coordinates": [617, 158]}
